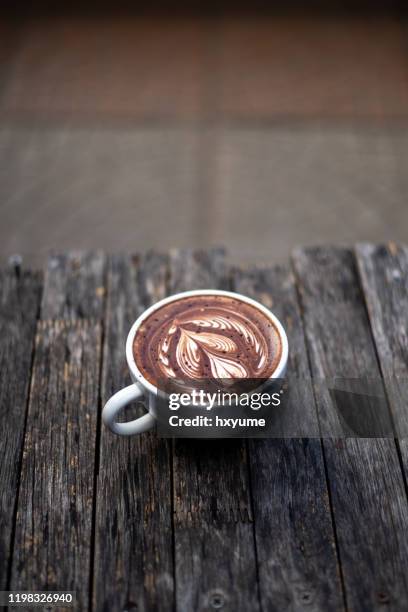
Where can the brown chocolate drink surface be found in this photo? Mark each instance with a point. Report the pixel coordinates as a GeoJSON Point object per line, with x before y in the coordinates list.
{"type": "Point", "coordinates": [206, 337]}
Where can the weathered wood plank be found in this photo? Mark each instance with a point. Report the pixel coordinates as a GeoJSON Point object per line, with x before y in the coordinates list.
{"type": "Point", "coordinates": [366, 484]}
{"type": "Point", "coordinates": [198, 269]}
{"type": "Point", "coordinates": [20, 294]}
{"type": "Point", "coordinates": [295, 541]}
{"type": "Point", "coordinates": [65, 393]}
{"type": "Point", "coordinates": [213, 531]}
{"type": "Point", "coordinates": [74, 286]}
{"type": "Point", "coordinates": [133, 566]}
{"type": "Point", "coordinates": [54, 517]}
{"type": "Point", "coordinates": [384, 274]}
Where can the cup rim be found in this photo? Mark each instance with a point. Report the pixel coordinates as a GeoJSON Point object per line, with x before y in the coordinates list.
{"type": "Point", "coordinates": [137, 374]}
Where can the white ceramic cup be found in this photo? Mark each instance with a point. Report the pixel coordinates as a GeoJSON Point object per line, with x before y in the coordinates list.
{"type": "Point", "coordinates": [143, 389]}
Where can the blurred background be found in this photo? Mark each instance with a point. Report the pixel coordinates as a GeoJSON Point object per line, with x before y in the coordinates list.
{"type": "Point", "coordinates": [258, 126]}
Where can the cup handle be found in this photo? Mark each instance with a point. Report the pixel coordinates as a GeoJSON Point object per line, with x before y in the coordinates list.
{"type": "Point", "coordinates": [116, 403]}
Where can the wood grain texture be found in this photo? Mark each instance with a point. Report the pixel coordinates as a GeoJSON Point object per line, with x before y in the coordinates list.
{"type": "Point", "coordinates": [54, 517]}
{"type": "Point", "coordinates": [20, 294]}
{"type": "Point", "coordinates": [384, 273]}
{"type": "Point", "coordinates": [198, 269]}
{"type": "Point", "coordinates": [55, 507]}
{"type": "Point", "coordinates": [74, 286]}
{"type": "Point", "coordinates": [201, 524]}
{"type": "Point", "coordinates": [296, 550]}
{"type": "Point", "coordinates": [365, 480]}
{"type": "Point", "coordinates": [215, 562]}
{"type": "Point", "coordinates": [133, 566]}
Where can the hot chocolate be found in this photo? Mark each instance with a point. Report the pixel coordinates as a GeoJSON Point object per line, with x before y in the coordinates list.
{"type": "Point", "coordinates": [207, 337]}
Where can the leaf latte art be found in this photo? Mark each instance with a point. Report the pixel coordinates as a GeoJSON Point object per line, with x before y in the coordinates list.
{"type": "Point", "coordinates": [206, 336]}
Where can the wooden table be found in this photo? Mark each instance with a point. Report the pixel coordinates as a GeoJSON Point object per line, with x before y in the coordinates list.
{"type": "Point", "coordinates": [239, 525]}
